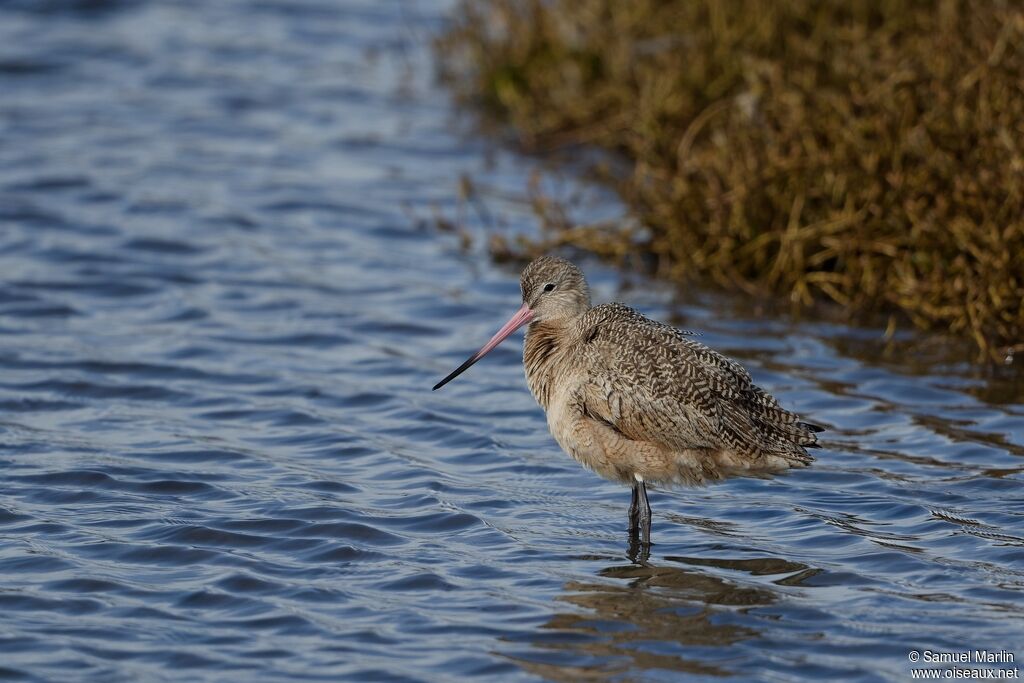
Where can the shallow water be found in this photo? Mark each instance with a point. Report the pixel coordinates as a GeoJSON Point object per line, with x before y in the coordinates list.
{"type": "Point", "coordinates": [221, 312]}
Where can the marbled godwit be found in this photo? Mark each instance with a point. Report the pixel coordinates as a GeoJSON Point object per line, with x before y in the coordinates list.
{"type": "Point", "coordinates": [638, 401]}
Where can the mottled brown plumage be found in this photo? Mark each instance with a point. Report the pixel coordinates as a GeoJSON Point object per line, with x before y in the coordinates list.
{"type": "Point", "coordinates": [635, 399]}
{"type": "Point", "coordinates": [639, 401]}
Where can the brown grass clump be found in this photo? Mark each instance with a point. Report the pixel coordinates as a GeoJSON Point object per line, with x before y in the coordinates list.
{"type": "Point", "coordinates": [866, 151]}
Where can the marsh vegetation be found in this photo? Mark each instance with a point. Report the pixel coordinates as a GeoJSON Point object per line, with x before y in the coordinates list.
{"type": "Point", "coordinates": [869, 154]}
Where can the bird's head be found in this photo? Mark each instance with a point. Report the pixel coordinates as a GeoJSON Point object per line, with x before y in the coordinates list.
{"type": "Point", "coordinates": [554, 290]}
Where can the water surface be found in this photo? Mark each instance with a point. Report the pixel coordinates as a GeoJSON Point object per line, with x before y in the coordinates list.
{"type": "Point", "coordinates": [222, 307]}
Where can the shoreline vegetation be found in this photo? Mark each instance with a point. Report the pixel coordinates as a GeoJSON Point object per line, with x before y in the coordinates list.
{"type": "Point", "coordinates": [869, 153]}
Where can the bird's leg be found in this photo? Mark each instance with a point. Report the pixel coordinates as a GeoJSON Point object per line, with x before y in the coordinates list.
{"type": "Point", "coordinates": [643, 513]}
{"type": "Point", "coordinates": [634, 508]}
{"type": "Point", "coordinates": [639, 525]}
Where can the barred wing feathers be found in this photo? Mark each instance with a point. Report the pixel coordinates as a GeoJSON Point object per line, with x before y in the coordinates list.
{"type": "Point", "coordinates": [654, 383]}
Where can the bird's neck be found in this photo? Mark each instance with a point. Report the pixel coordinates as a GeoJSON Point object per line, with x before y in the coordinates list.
{"type": "Point", "coordinates": [545, 342]}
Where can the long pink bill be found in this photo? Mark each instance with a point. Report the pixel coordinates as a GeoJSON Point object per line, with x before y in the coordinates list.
{"type": "Point", "coordinates": [522, 316]}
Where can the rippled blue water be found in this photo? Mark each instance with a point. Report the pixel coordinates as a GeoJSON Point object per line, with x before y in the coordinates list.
{"type": "Point", "coordinates": [220, 316]}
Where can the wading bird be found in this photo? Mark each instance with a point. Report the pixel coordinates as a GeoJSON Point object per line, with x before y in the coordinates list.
{"type": "Point", "coordinates": [638, 401]}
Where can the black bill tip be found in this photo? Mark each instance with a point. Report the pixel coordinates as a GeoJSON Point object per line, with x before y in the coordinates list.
{"type": "Point", "coordinates": [456, 372]}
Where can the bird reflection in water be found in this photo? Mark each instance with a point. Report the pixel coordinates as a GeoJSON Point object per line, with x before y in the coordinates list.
{"type": "Point", "coordinates": [637, 550]}
{"type": "Point", "coordinates": [679, 611]}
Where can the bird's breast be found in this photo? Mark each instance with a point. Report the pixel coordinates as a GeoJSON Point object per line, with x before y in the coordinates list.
{"type": "Point", "coordinates": [545, 361]}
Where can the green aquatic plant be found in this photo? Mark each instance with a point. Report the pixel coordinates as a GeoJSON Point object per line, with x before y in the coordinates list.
{"type": "Point", "coordinates": [866, 152]}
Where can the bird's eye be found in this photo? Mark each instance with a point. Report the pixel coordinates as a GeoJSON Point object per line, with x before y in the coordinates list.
{"type": "Point", "coordinates": [549, 287]}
